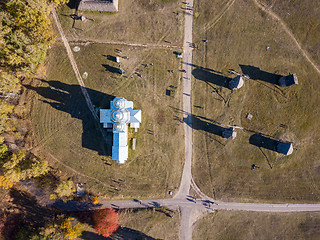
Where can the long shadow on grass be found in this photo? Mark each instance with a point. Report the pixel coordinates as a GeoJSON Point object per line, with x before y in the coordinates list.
{"type": "Point", "coordinates": [122, 233]}
{"type": "Point", "coordinates": [204, 124]}
{"type": "Point", "coordinates": [68, 98]}
{"type": "Point", "coordinates": [210, 76]}
{"type": "Point", "coordinates": [263, 142]}
{"type": "Point", "coordinates": [256, 73]}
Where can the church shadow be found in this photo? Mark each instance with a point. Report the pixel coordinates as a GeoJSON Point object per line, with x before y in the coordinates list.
{"type": "Point", "coordinates": [210, 76]}
{"type": "Point", "coordinates": [69, 98]}
{"type": "Point", "coordinates": [256, 73]}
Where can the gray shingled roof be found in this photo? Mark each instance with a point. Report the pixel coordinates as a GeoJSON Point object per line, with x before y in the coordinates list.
{"type": "Point", "coordinates": [99, 5]}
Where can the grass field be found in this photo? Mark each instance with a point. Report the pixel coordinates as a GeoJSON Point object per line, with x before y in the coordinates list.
{"type": "Point", "coordinates": [65, 132]}
{"type": "Point", "coordinates": [228, 225]}
{"type": "Point", "coordinates": [143, 21]}
{"type": "Point", "coordinates": [238, 33]}
{"type": "Point", "coordinates": [141, 224]}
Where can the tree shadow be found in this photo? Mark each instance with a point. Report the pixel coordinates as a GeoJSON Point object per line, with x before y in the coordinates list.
{"type": "Point", "coordinates": [121, 234]}
{"type": "Point", "coordinates": [256, 73]}
{"type": "Point", "coordinates": [75, 206]}
{"type": "Point", "coordinates": [210, 76]}
{"type": "Point", "coordinates": [69, 98]}
{"type": "Point", "coordinates": [73, 4]}
{"type": "Point", "coordinates": [32, 214]}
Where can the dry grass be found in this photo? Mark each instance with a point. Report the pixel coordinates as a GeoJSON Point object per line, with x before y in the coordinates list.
{"type": "Point", "coordinates": [140, 224]}
{"type": "Point", "coordinates": [151, 223]}
{"type": "Point", "coordinates": [65, 132]}
{"type": "Point", "coordinates": [302, 17]}
{"type": "Point", "coordinates": [221, 168]}
{"type": "Point", "coordinates": [227, 225]}
{"type": "Point", "coordinates": [143, 21]}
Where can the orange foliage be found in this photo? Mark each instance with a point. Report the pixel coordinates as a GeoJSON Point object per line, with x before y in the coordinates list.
{"type": "Point", "coordinates": [105, 221]}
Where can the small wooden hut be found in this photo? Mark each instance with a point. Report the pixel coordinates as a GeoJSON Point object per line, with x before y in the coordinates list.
{"type": "Point", "coordinates": [284, 148]}
{"type": "Point", "coordinates": [289, 80]}
{"type": "Point", "coordinates": [229, 133]}
{"type": "Point", "coordinates": [236, 83]}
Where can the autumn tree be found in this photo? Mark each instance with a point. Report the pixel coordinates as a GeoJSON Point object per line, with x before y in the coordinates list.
{"type": "Point", "coordinates": [105, 221]}
{"type": "Point", "coordinates": [60, 228]}
{"type": "Point", "coordinates": [59, 2]}
{"type": "Point", "coordinates": [64, 189]}
{"type": "Point", "coordinates": [25, 33]}
{"type": "Point", "coordinates": [18, 167]}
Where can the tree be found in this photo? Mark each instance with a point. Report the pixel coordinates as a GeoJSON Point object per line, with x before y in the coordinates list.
{"type": "Point", "coordinates": [60, 228]}
{"type": "Point", "coordinates": [71, 230]}
{"type": "Point", "coordinates": [25, 33]}
{"type": "Point", "coordinates": [95, 200]}
{"type": "Point", "coordinates": [64, 189]}
{"type": "Point", "coordinates": [17, 167]}
{"type": "Point", "coordinates": [59, 2]}
{"type": "Point", "coordinates": [105, 221]}
{"type": "Point", "coordinates": [8, 84]}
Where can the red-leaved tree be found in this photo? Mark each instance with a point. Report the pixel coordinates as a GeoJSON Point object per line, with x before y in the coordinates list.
{"type": "Point", "coordinates": [105, 221]}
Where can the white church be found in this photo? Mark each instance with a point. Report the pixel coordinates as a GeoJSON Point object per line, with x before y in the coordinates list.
{"type": "Point", "coordinates": [120, 114]}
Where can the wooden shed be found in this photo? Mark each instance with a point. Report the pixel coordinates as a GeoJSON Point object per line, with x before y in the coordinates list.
{"type": "Point", "coordinates": [289, 80]}
{"type": "Point", "coordinates": [236, 83]}
{"type": "Point", "coordinates": [229, 133]}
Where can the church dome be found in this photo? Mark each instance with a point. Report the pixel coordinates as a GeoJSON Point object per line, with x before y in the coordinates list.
{"type": "Point", "coordinates": [119, 127]}
{"type": "Point", "coordinates": [119, 103]}
{"type": "Point", "coordinates": [120, 115]}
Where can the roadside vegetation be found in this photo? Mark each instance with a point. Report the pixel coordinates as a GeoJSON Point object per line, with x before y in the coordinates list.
{"type": "Point", "coordinates": [25, 36]}
{"type": "Point", "coordinates": [253, 225]}
{"type": "Point", "coordinates": [255, 44]}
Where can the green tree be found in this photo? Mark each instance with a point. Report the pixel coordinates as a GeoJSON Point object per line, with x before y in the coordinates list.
{"type": "Point", "coordinates": [64, 189]}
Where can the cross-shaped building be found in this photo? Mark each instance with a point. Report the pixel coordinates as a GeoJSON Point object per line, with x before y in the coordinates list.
{"type": "Point", "coordinates": [120, 114]}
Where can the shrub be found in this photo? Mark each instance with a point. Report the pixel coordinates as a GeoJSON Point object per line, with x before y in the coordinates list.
{"type": "Point", "coordinates": [105, 221]}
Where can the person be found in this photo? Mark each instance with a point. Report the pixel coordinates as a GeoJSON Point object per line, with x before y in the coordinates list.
{"type": "Point", "coordinates": [253, 166]}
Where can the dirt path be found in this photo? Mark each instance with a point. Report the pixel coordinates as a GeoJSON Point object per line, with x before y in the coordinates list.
{"type": "Point", "coordinates": [287, 30]}
{"type": "Point", "coordinates": [146, 45]}
{"type": "Point", "coordinates": [77, 73]}
{"type": "Point", "coordinates": [187, 87]}
{"type": "Point", "coordinates": [186, 215]}
{"type": "Point", "coordinates": [219, 16]}
{"type": "Point", "coordinates": [189, 205]}
{"type": "Point", "coordinates": [73, 63]}
{"type": "Point", "coordinates": [77, 172]}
